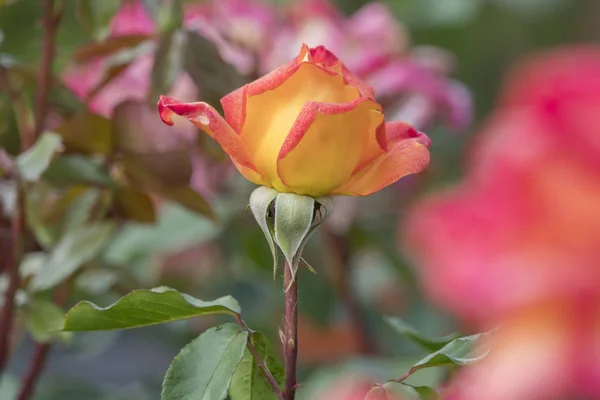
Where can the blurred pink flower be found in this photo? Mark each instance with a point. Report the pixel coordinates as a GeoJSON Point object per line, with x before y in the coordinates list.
{"type": "Point", "coordinates": [132, 19]}
{"type": "Point", "coordinates": [247, 24]}
{"type": "Point", "coordinates": [518, 242]}
{"type": "Point", "coordinates": [355, 387]}
{"type": "Point", "coordinates": [412, 83]}
{"type": "Point", "coordinates": [236, 27]}
{"type": "Point", "coordinates": [133, 83]}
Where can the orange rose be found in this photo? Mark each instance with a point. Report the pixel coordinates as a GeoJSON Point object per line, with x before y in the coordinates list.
{"type": "Point", "coordinates": [311, 128]}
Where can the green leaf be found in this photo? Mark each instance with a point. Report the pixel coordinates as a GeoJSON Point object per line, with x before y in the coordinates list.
{"type": "Point", "coordinates": [424, 392]}
{"type": "Point", "coordinates": [135, 205]}
{"type": "Point", "coordinates": [203, 369]}
{"type": "Point", "coordinates": [97, 281]}
{"type": "Point", "coordinates": [209, 71]}
{"type": "Point", "coordinates": [188, 197]}
{"type": "Point", "coordinates": [167, 14]}
{"type": "Point", "coordinates": [52, 211]}
{"type": "Point", "coordinates": [260, 201]}
{"type": "Point", "coordinates": [44, 322]}
{"type": "Point", "coordinates": [404, 390]}
{"type": "Point", "coordinates": [78, 170]}
{"type": "Point", "coordinates": [459, 352]}
{"type": "Point", "coordinates": [156, 159]}
{"type": "Point", "coordinates": [108, 47]}
{"type": "Point", "coordinates": [168, 63]}
{"type": "Point", "coordinates": [77, 247]}
{"type": "Point", "coordinates": [32, 263]}
{"type": "Point", "coordinates": [410, 332]}
{"type": "Point", "coordinates": [176, 229]}
{"type": "Point", "coordinates": [87, 132]}
{"type": "Point", "coordinates": [34, 161]}
{"type": "Point", "coordinates": [96, 16]}
{"type": "Point", "coordinates": [143, 308]}
{"type": "Point", "coordinates": [9, 384]}
{"type": "Point", "coordinates": [248, 382]}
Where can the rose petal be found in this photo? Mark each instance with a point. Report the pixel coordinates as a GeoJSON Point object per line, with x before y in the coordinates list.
{"type": "Point", "coordinates": [326, 143]}
{"type": "Point", "coordinates": [271, 114]}
{"type": "Point", "coordinates": [212, 123]}
{"type": "Point", "coordinates": [406, 155]}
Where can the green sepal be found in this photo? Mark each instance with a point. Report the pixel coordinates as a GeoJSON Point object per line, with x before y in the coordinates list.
{"type": "Point", "coordinates": [260, 201]}
{"type": "Point", "coordinates": [293, 222]}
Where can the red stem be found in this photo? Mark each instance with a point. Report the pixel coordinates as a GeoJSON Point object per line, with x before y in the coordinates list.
{"type": "Point", "coordinates": [290, 335]}
{"type": "Point", "coordinates": [51, 21]}
{"type": "Point", "coordinates": [35, 369]}
{"type": "Point", "coordinates": [18, 223]}
{"type": "Point", "coordinates": [14, 280]}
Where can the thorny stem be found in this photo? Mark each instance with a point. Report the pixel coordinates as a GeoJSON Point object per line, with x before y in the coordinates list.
{"type": "Point", "coordinates": [290, 333]}
{"type": "Point", "coordinates": [260, 361]}
{"type": "Point", "coordinates": [35, 369]}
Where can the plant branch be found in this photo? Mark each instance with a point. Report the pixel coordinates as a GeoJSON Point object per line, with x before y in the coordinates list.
{"type": "Point", "coordinates": [51, 22]}
{"type": "Point", "coordinates": [18, 222]}
{"type": "Point", "coordinates": [14, 279]}
{"type": "Point", "coordinates": [260, 361]}
{"type": "Point", "coordinates": [290, 333]}
{"type": "Point", "coordinates": [35, 369]}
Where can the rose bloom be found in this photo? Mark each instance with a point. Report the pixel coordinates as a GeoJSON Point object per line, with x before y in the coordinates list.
{"type": "Point", "coordinates": [309, 127]}
{"type": "Point", "coordinates": [517, 243]}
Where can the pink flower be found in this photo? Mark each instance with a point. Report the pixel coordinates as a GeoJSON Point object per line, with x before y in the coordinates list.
{"type": "Point", "coordinates": [133, 82]}
{"type": "Point", "coordinates": [517, 243]}
{"type": "Point", "coordinates": [396, 74]}
{"type": "Point", "coordinates": [247, 24]}
{"type": "Point", "coordinates": [235, 27]}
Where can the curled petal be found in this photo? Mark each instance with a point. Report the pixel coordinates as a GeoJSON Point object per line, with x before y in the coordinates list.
{"type": "Point", "coordinates": [212, 123]}
{"type": "Point", "coordinates": [326, 143]}
{"type": "Point", "coordinates": [321, 56]}
{"type": "Point", "coordinates": [407, 154]}
{"type": "Point", "coordinates": [234, 104]}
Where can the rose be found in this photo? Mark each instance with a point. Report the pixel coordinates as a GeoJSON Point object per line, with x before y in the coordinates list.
{"type": "Point", "coordinates": [516, 244]}
{"type": "Point", "coordinates": [309, 127]}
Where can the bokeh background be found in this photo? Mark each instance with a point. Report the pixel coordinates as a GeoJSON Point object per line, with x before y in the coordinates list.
{"type": "Point", "coordinates": [437, 63]}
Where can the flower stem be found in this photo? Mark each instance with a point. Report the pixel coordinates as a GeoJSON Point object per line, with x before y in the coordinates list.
{"type": "Point", "coordinates": [51, 22]}
{"type": "Point", "coordinates": [18, 224]}
{"type": "Point", "coordinates": [14, 279]}
{"type": "Point", "coordinates": [290, 334]}
{"type": "Point", "coordinates": [35, 369]}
